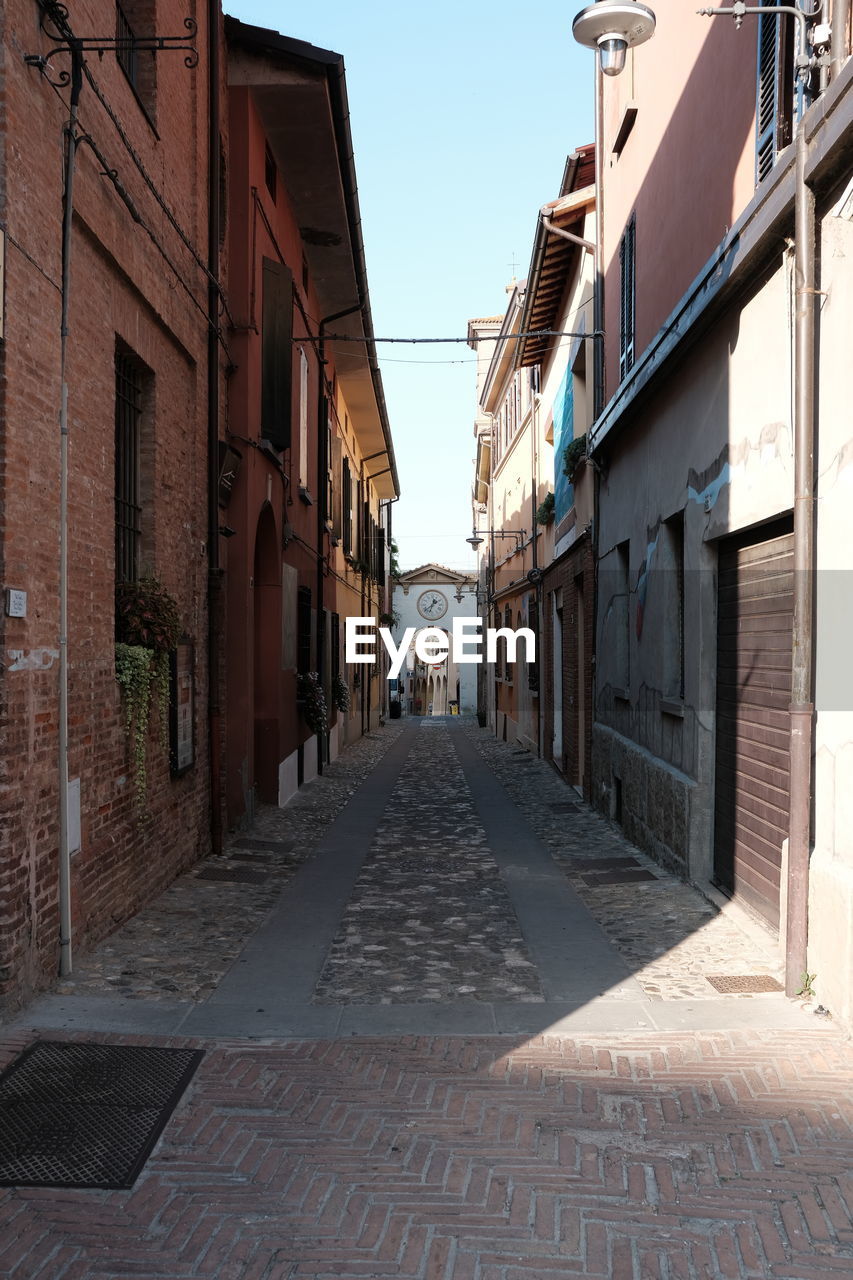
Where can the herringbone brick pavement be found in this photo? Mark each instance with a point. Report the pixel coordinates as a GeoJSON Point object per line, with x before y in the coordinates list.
{"type": "Point", "coordinates": [656, 1158]}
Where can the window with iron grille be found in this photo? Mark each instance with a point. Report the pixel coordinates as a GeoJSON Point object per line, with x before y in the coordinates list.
{"type": "Point", "coordinates": [533, 624]}
{"type": "Point", "coordinates": [774, 107]}
{"type": "Point", "coordinates": [303, 630]}
{"type": "Point", "coordinates": [627, 297]}
{"type": "Point", "coordinates": [128, 508]}
{"type": "Point", "coordinates": [135, 21]}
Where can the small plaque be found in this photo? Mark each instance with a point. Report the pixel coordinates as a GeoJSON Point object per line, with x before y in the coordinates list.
{"type": "Point", "coordinates": [16, 603]}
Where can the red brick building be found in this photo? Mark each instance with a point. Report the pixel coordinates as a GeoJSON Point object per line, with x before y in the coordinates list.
{"type": "Point", "coordinates": [307, 429]}
{"type": "Point", "coordinates": [142, 379]}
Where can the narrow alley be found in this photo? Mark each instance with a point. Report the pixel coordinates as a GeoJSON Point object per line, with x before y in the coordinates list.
{"type": "Point", "coordinates": [435, 1045]}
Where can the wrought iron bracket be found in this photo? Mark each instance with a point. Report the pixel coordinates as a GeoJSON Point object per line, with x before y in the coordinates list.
{"type": "Point", "coordinates": [55, 16]}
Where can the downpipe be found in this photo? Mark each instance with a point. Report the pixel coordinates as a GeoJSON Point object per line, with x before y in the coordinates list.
{"type": "Point", "coordinates": [65, 962]}
{"type": "Point", "coordinates": [802, 644]}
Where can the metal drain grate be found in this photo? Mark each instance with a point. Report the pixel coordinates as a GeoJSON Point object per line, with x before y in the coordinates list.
{"type": "Point", "coordinates": [744, 983]}
{"type": "Point", "coordinates": [87, 1115]}
{"type": "Point", "coordinates": [233, 875]}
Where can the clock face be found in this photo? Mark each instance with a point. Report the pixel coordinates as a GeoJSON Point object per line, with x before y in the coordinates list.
{"type": "Point", "coordinates": [432, 604]}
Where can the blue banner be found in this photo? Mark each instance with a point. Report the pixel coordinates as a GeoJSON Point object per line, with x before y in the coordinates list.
{"type": "Point", "coordinates": [564, 431]}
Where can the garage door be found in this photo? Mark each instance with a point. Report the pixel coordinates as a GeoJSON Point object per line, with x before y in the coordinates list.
{"type": "Point", "coordinates": [755, 607]}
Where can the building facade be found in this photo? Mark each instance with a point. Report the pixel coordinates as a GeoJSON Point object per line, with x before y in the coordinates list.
{"type": "Point", "coordinates": [307, 424]}
{"type": "Point", "coordinates": [111, 371]}
{"type": "Point", "coordinates": [432, 596]}
{"type": "Point", "coordinates": [722, 453]}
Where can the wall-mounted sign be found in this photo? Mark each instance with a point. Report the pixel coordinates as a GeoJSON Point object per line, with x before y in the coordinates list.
{"type": "Point", "coordinates": [229, 466]}
{"type": "Point", "coordinates": [182, 709]}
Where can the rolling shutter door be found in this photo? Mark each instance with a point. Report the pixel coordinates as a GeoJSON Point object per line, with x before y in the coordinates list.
{"type": "Point", "coordinates": [755, 608]}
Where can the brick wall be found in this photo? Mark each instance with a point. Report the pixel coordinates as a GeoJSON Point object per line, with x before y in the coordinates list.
{"type": "Point", "coordinates": [122, 287]}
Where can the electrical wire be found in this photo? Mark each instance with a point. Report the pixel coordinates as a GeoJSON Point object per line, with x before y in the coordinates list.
{"type": "Point", "coordinates": [497, 337]}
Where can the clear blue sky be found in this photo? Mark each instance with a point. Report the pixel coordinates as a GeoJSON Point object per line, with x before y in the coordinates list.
{"type": "Point", "coordinates": [462, 117]}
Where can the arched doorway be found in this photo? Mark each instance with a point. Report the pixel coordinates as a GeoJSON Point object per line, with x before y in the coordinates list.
{"type": "Point", "coordinates": [267, 657]}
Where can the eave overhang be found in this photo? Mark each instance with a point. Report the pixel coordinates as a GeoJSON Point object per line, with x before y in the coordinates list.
{"type": "Point", "coordinates": [552, 264]}
{"type": "Point", "coordinates": [300, 93]}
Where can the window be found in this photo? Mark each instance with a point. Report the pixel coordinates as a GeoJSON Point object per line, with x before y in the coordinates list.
{"type": "Point", "coordinates": [627, 297]}
{"type": "Point", "coordinates": [270, 172]}
{"type": "Point", "coordinates": [774, 109]}
{"type": "Point", "coordinates": [303, 418]}
{"type": "Point", "coordinates": [130, 390]}
{"type": "Point", "coordinates": [673, 530]}
{"type": "Point", "coordinates": [276, 353]}
{"type": "Point", "coordinates": [135, 22]}
{"type": "Point", "coordinates": [346, 506]}
{"type": "Point", "coordinates": [622, 613]}
{"type": "Point", "coordinates": [533, 624]}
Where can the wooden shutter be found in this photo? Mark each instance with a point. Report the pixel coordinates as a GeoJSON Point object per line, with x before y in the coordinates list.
{"type": "Point", "coordinates": [276, 353]}
{"type": "Point", "coordinates": [774, 90]}
{"type": "Point", "coordinates": [336, 476]}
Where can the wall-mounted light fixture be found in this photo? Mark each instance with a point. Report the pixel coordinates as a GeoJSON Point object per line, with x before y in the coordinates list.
{"type": "Point", "coordinates": [477, 539]}
{"type": "Point", "coordinates": [613, 28]}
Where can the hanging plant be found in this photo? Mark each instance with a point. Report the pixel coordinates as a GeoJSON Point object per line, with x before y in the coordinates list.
{"type": "Point", "coordinates": [340, 693]}
{"type": "Point", "coordinates": [389, 619]}
{"type": "Point", "coordinates": [313, 701]}
{"type": "Point", "coordinates": [545, 510]}
{"type": "Point", "coordinates": [147, 630]}
{"type": "Point", "coordinates": [574, 451]}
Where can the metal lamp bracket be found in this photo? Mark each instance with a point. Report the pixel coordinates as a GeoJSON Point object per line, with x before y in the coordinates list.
{"type": "Point", "coordinates": [55, 15]}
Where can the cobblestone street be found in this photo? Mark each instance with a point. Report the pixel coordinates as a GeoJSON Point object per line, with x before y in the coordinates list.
{"type": "Point", "coordinates": [455, 1028]}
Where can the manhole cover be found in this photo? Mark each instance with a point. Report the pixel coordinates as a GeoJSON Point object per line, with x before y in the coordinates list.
{"type": "Point", "coordinates": [744, 983]}
{"type": "Point", "coordinates": [263, 846]}
{"type": "Point", "coordinates": [87, 1115]}
{"type": "Point", "coordinates": [625, 876]}
{"type": "Point", "coordinates": [233, 875]}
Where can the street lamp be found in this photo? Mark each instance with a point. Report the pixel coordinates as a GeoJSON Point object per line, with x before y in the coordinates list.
{"type": "Point", "coordinates": [612, 28]}
{"type": "Point", "coordinates": [477, 539]}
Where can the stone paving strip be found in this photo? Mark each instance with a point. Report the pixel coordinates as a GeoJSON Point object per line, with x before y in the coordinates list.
{"type": "Point", "coordinates": [180, 945]}
{"type": "Point", "coordinates": [672, 937]}
{"type": "Point", "coordinates": [430, 917]}
{"type": "Point", "coordinates": [634, 1157]}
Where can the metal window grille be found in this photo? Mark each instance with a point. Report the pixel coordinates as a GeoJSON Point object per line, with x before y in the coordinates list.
{"type": "Point", "coordinates": [126, 50]}
{"type": "Point", "coordinates": [627, 307]}
{"type": "Point", "coordinates": [128, 512]}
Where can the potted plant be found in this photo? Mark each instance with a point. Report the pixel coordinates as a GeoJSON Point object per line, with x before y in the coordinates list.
{"type": "Point", "coordinates": [148, 628]}
{"type": "Point", "coordinates": [312, 701]}
{"type": "Point", "coordinates": [340, 693]}
{"type": "Point", "coordinates": [573, 454]}
{"type": "Point", "coordinates": [545, 510]}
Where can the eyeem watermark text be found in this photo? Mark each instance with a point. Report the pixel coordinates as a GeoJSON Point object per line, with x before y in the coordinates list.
{"type": "Point", "coordinates": [432, 645]}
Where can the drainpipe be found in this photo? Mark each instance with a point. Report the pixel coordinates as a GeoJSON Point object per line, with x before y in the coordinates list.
{"type": "Point", "coordinates": [802, 663]}
{"type": "Point", "coordinates": [838, 46]}
{"type": "Point", "coordinates": [567, 235]}
{"type": "Point", "coordinates": [67, 219]}
{"type": "Point", "coordinates": [214, 569]}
